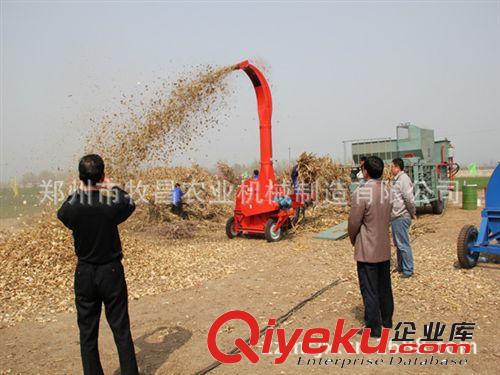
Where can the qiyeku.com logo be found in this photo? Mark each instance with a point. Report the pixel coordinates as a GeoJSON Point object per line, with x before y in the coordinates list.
{"type": "Point", "coordinates": [315, 341]}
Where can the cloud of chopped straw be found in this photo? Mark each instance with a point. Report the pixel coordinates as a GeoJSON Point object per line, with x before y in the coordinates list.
{"type": "Point", "coordinates": [149, 133]}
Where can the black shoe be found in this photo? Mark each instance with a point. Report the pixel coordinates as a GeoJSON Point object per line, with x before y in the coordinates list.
{"type": "Point", "coordinates": [405, 276]}
{"type": "Point", "coordinates": [375, 333]}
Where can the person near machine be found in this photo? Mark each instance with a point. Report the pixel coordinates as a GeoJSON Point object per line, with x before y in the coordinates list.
{"type": "Point", "coordinates": [360, 177]}
{"type": "Point", "coordinates": [176, 203]}
{"type": "Point", "coordinates": [93, 214]}
{"type": "Point", "coordinates": [255, 174]}
{"type": "Point", "coordinates": [368, 229]}
{"type": "Point", "coordinates": [403, 211]}
{"type": "Point", "coordinates": [295, 178]}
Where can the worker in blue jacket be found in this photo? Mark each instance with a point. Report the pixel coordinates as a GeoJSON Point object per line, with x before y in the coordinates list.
{"type": "Point", "coordinates": [295, 178]}
{"type": "Point", "coordinates": [176, 201]}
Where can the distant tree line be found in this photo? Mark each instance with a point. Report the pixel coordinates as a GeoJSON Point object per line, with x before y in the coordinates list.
{"type": "Point", "coordinates": [30, 179]}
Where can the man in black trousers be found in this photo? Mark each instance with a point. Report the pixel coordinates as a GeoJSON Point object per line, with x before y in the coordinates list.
{"type": "Point", "coordinates": [368, 229]}
{"type": "Point", "coordinates": [93, 213]}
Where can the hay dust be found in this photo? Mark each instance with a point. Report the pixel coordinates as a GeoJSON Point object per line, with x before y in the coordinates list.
{"type": "Point", "coordinates": [148, 132]}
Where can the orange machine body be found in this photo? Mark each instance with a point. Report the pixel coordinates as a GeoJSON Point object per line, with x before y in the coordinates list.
{"type": "Point", "coordinates": [254, 204]}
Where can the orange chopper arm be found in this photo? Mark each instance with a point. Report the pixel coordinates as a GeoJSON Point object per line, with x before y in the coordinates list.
{"type": "Point", "coordinates": [265, 109]}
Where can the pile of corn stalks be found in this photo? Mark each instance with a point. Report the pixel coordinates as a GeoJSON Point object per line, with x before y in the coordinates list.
{"type": "Point", "coordinates": [206, 196]}
{"type": "Point", "coordinates": [330, 179]}
{"type": "Point", "coordinates": [330, 183]}
{"type": "Point", "coordinates": [227, 173]}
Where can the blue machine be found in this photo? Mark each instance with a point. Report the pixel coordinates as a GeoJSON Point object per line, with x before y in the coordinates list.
{"type": "Point", "coordinates": [471, 242]}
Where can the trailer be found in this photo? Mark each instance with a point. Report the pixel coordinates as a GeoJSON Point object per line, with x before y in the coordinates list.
{"type": "Point", "coordinates": [428, 162]}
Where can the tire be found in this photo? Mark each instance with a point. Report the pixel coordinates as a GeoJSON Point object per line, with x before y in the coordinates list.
{"type": "Point", "coordinates": [230, 232]}
{"type": "Point", "coordinates": [437, 206]}
{"type": "Point", "coordinates": [299, 215]}
{"type": "Point", "coordinates": [467, 237]}
{"type": "Point", "coordinates": [272, 236]}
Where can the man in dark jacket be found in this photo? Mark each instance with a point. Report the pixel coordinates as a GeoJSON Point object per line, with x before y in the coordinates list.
{"type": "Point", "coordinates": [93, 213]}
{"type": "Point", "coordinates": [295, 178]}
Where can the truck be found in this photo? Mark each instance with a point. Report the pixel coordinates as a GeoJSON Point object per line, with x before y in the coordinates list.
{"type": "Point", "coordinates": [428, 162]}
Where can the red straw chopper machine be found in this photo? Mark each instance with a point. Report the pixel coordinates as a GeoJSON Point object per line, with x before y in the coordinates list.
{"type": "Point", "coordinates": [261, 206]}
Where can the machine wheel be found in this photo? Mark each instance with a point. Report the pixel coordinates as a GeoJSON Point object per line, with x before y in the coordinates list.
{"type": "Point", "coordinates": [272, 235]}
{"type": "Point", "coordinates": [438, 206]}
{"type": "Point", "coordinates": [230, 232]}
{"type": "Point", "coordinates": [466, 238]}
{"type": "Point", "coordinates": [299, 215]}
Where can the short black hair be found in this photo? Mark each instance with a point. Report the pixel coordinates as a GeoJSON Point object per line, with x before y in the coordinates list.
{"type": "Point", "coordinates": [256, 172]}
{"type": "Point", "coordinates": [374, 166]}
{"type": "Point", "coordinates": [177, 184]}
{"type": "Point", "coordinates": [362, 159]}
{"type": "Point", "coordinates": [399, 163]}
{"type": "Point", "coordinates": [91, 169]}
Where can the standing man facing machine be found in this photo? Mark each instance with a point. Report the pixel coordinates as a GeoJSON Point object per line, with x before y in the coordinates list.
{"type": "Point", "coordinates": [403, 210]}
{"type": "Point", "coordinates": [368, 228]}
{"type": "Point", "coordinates": [93, 213]}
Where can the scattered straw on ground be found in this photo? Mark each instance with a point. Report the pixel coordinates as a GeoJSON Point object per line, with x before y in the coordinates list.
{"type": "Point", "coordinates": [38, 264]}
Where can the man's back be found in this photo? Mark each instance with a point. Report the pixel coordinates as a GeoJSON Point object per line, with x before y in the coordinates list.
{"type": "Point", "coordinates": [93, 213]}
{"type": "Point", "coordinates": [176, 195]}
{"type": "Point", "coordinates": [368, 230]}
{"type": "Point", "coordinates": [369, 222]}
{"type": "Point", "coordinates": [93, 216]}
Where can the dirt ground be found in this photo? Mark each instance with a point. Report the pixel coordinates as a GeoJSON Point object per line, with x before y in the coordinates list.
{"type": "Point", "coordinates": [170, 329]}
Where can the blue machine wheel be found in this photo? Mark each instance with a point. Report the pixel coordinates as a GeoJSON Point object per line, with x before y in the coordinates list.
{"type": "Point", "coordinates": [466, 239]}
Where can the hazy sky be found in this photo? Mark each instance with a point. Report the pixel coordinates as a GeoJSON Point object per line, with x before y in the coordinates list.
{"type": "Point", "coordinates": [338, 71]}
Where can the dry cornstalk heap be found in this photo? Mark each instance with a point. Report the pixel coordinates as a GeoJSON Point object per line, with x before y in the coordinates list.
{"type": "Point", "coordinates": [330, 182]}
{"type": "Point", "coordinates": [203, 193]}
{"type": "Point", "coordinates": [330, 178]}
{"type": "Point", "coordinates": [227, 173]}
